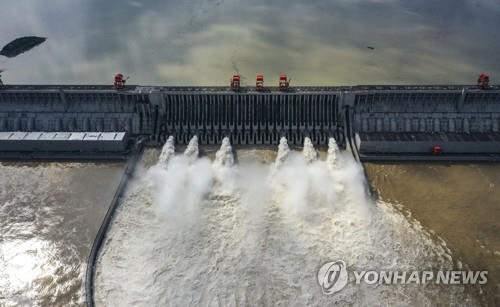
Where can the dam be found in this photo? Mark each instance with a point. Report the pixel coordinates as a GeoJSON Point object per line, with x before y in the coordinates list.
{"type": "Point", "coordinates": [375, 122]}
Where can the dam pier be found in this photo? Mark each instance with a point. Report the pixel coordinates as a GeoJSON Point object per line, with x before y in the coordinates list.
{"type": "Point", "coordinates": [375, 122]}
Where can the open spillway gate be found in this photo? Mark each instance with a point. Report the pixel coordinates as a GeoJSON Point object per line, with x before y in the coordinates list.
{"type": "Point", "coordinates": [250, 118]}
{"type": "Point", "coordinates": [376, 121]}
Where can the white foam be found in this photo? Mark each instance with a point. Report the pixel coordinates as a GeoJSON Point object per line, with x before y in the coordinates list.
{"type": "Point", "coordinates": [263, 243]}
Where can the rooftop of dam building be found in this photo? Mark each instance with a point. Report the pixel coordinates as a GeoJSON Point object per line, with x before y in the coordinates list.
{"type": "Point", "coordinates": [236, 153]}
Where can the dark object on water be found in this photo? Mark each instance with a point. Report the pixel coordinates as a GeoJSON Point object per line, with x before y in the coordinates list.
{"type": "Point", "coordinates": [370, 47]}
{"type": "Point", "coordinates": [21, 45]}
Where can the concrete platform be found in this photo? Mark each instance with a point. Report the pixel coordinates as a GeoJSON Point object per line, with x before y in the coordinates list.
{"type": "Point", "coordinates": [45, 142]}
{"type": "Point", "coordinates": [420, 145]}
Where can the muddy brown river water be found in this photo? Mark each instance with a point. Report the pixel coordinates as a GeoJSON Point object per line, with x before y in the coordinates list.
{"type": "Point", "coordinates": [50, 213]}
{"type": "Point", "coordinates": [458, 202]}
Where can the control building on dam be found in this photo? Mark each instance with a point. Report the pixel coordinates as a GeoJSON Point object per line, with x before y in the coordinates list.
{"type": "Point", "coordinates": [374, 121]}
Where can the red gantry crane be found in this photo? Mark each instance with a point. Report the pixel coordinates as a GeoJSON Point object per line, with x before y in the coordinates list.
{"type": "Point", "coordinates": [483, 81]}
{"type": "Point", "coordinates": [284, 82]}
{"type": "Point", "coordinates": [259, 85]}
{"type": "Point", "coordinates": [235, 83]}
{"type": "Point", "coordinates": [120, 81]}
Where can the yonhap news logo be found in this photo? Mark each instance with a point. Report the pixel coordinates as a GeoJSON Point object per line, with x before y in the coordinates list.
{"type": "Point", "coordinates": [333, 276]}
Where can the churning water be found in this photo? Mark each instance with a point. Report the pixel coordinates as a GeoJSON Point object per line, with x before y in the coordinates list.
{"type": "Point", "coordinates": [196, 232]}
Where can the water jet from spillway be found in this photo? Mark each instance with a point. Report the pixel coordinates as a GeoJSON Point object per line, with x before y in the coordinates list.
{"type": "Point", "coordinates": [167, 152]}
{"type": "Point", "coordinates": [179, 189]}
{"type": "Point", "coordinates": [333, 154]}
{"type": "Point", "coordinates": [192, 151]}
{"type": "Point", "coordinates": [308, 151]}
{"type": "Point", "coordinates": [283, 151]}
{"type": "Point", "coordinates": [224, 168]}
{"type": "Point", "coordinates": [224, 156]}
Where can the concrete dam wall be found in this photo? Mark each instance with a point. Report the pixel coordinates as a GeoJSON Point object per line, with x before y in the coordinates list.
{"type": "Point", "coordinates": [442, 111]}
{"type": "Point", "coordinates": [375, 119]}
{"type": "Point", "coordinates": [76, 110]}
{"type": "Point", "coordinates": [462, 121]}
{"type": "Point", "coordinates": [250, 118]}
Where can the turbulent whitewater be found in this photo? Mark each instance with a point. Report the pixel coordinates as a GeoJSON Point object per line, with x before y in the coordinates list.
{"type": "Point", "coordinates": [197, 232]}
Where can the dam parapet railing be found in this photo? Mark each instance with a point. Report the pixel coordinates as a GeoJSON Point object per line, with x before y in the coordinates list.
{"type": "Point", "coordinates": [392, 113]}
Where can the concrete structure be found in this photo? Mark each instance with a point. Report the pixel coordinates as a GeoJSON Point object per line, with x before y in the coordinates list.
{"type": "Point", "coordinates": [408, 143]}
{"type": "Point", "coordinates": [460, 121]}
{"type": "Point", "coordinates": [248, 116]}
{"type": "Point", "coordinates": [63, 141]}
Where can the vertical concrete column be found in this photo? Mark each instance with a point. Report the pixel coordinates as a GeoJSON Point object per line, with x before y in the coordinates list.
{"type": "Point", "coordinates": [459, 125]}
{"type": "Point", "coordinates": [494, 126]}
{"type": "Point", "coordinates": [372, 125]}
{"type": "Point", "coordinates": [487, 125]}
{"type": "Point", "coordinates": [86, 124]}
{"type": "Point", "coordinates": [72, 124]}
{"type": "Point", "coordinates": [466, 125]}
{"type": "Point", "coordinates": [394, 127]}
{"type": "Point", "coordinates": [422, 124]}
{"type": "Point", "coordinates": [379, 125]}
{"type": "Point", "coordinates": [17, 124]}
{"type": "Point", "coordinates": [429, 124]}
{"type": "Point", "coordinates": [128, 125]}
{"type": "Point", "coordinates": [414, 124]}
{"type": "Point", "coordinates": [31, 124]}
{"type": "Point", "coordinates": [114, 124]}
{"type": "Point", "coordinates": [451, 125]}
{"type": "Point", "coordinates": [436, 125]}
{"type": "Point", "coordinates": [99, 124]}
{"type": "Point", "coordinates": [443, 123]}
{"type": "Point", "coordinates": [58, 124]}
{"type": "Point", "coordinates": [408, 124]}
{"type": "Point", "coordinates": [157, 100]}
{"type": "Point", "coordinates": [386, 123]}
